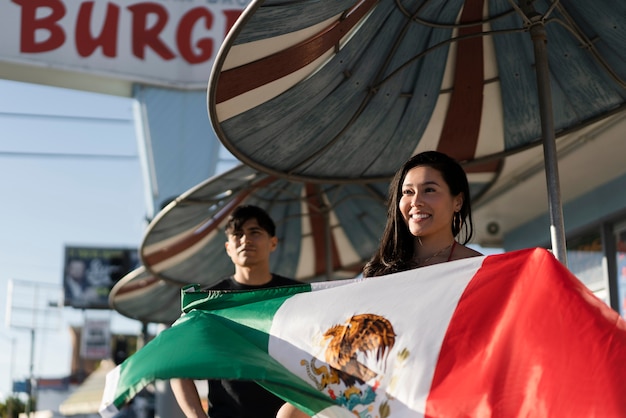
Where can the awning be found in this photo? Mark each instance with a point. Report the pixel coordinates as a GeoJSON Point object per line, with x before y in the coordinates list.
{"type": "Point", "coordinates": [87, 397]}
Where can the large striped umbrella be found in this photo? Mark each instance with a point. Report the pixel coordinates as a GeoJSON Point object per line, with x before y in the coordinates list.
{"type": "Point", "coordinates": [329, 90]}
{"type": "Point", "coordinates": [325, 231]}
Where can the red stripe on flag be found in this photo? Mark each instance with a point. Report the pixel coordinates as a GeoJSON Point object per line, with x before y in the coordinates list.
{"type": "Point", "coordinates": [529, 339]}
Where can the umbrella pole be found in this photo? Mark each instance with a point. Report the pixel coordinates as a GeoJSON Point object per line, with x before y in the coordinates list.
{"type": "Point", "coordinates": [327, 238]}
{"type": "Point", "coordinates": [539, 38]}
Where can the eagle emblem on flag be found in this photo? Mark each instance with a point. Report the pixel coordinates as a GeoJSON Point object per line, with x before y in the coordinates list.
{"type": "Point", "coordinates": [350, 349]}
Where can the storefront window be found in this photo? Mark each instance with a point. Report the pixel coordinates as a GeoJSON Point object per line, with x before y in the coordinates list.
{"type": "Point", "coordinates": [584, 259]}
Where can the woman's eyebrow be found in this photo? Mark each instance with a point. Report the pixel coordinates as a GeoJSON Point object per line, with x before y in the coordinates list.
{"type": "Point", "coordinates": [426, 183]}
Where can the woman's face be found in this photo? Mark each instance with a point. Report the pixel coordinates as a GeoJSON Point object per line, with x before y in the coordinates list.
{"type": "Point", "coordinates": [426, 203]}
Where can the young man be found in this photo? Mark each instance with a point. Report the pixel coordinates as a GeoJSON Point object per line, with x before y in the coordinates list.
{"type": "Point", "coordinates": [251, 238]}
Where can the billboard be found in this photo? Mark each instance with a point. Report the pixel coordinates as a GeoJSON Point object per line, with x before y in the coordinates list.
{"type": "Point", "coordinates": [90, 273]}
{"type": "Point", "coordinates": [171, 43]}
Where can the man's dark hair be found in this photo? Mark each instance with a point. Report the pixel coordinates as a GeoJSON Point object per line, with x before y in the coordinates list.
{"type": "Point", "coordinates": [243, 213]}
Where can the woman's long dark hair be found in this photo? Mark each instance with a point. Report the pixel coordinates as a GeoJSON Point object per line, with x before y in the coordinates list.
{"type": "Point", "coordinates": [397, 244]}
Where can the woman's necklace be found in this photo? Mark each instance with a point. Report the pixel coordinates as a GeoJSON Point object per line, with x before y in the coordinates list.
{"type": "Point", "coordinates": [427, 259]}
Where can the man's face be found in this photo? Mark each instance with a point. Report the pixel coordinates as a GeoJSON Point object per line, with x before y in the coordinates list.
{"type": "Point", "coordinates": [76, 270]}
{"type": "Point", "coordinates": [251, 245]}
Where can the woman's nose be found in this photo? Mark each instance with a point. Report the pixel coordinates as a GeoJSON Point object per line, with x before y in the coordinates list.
{"type": "Point", "coordinates": [415, 200]}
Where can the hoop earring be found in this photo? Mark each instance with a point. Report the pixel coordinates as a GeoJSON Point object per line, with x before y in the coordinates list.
{"type": "Point", "coordinates": [457, 223]}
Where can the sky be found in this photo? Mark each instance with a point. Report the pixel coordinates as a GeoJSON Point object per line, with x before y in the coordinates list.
{"type": "Point", "coordinates": [69, 175]}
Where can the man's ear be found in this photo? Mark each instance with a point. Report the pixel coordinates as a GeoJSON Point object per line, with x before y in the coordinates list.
{"type": "Point", "coordinates": [274, 243]}
{"type": "Point", "coordinates": [227, 247]}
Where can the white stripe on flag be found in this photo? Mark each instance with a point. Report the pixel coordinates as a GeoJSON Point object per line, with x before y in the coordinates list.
{"type": "Point", "coordinates": [107, 407]}
{"type": "Point", "coordinates": [402, 379]}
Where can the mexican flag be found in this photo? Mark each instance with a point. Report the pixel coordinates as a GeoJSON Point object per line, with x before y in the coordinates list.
{"type": "Point", "coordinates": [508, 335]}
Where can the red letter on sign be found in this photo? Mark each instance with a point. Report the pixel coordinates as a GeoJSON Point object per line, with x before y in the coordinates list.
{"type": "Point", "coordinates": [183, 36]}
{"type": "Point", "coordinates": [149, 37]}
{"type": "Point", "coordinates": [30, 25]}
{"type": "Point", "coordinates": [85, 43]}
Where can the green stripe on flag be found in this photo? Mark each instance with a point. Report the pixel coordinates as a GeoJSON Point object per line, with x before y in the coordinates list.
{"type": "Point", "coordinates": [193, 298]}
{"type": "Point", "coordinates": [225, 343]}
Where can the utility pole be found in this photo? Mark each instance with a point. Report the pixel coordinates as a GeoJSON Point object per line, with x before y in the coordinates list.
{"type": "Point", "coordinates": [12, 357]}
{"type": "Point", "coordinates": [24, 306]}
{"type": "Point", "coordinates": [11, 365]}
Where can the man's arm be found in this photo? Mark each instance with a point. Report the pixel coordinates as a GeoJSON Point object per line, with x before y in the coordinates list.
{"type": "Point", "coordinates": [187, 397]}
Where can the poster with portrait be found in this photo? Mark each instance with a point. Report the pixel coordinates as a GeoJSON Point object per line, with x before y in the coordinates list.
{"type": "Point", "coordinates": [90, 273]}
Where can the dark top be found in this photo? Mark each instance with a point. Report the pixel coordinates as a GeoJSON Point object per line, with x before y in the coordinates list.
{"type": "Point", "coordinates": [240, 398]}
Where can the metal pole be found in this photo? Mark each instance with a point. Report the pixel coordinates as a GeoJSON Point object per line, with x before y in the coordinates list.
{"type": "Point", "coordinates": [9, 407]}
{"type": "Point", "coordinates": [31, 374]}
{"type": "Point", "coordinates": [610, 254]}
{"type": "Point", "coordinates": [539, 38]}
{"type": "Point", "coordinates": [12, 359]}
{"type": "Point", "coordinates": [11, 367]}
{"type": "Point", "coordinates": [327, 237]}
{"type": "Point", "coordinates": [324, 211]}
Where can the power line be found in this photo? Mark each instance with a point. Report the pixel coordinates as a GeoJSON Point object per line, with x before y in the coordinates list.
{"type": "Point", "coordinates": [67, 117]}
{"type": "Point", "coordinates": [68, 155]}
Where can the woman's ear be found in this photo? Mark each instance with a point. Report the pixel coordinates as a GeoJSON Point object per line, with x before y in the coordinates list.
{"type": "Point", "coordinates": [458, 202]}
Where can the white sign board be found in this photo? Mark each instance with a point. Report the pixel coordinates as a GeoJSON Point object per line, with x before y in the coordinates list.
{"type": "Point", "coordinates": [170, 43]}
{"type": "Point", "coordinates": [95, 340]}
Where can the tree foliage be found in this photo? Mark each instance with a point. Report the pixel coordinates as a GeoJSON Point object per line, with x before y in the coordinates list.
{"type": "Point", "coordinates": [13, 406]}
